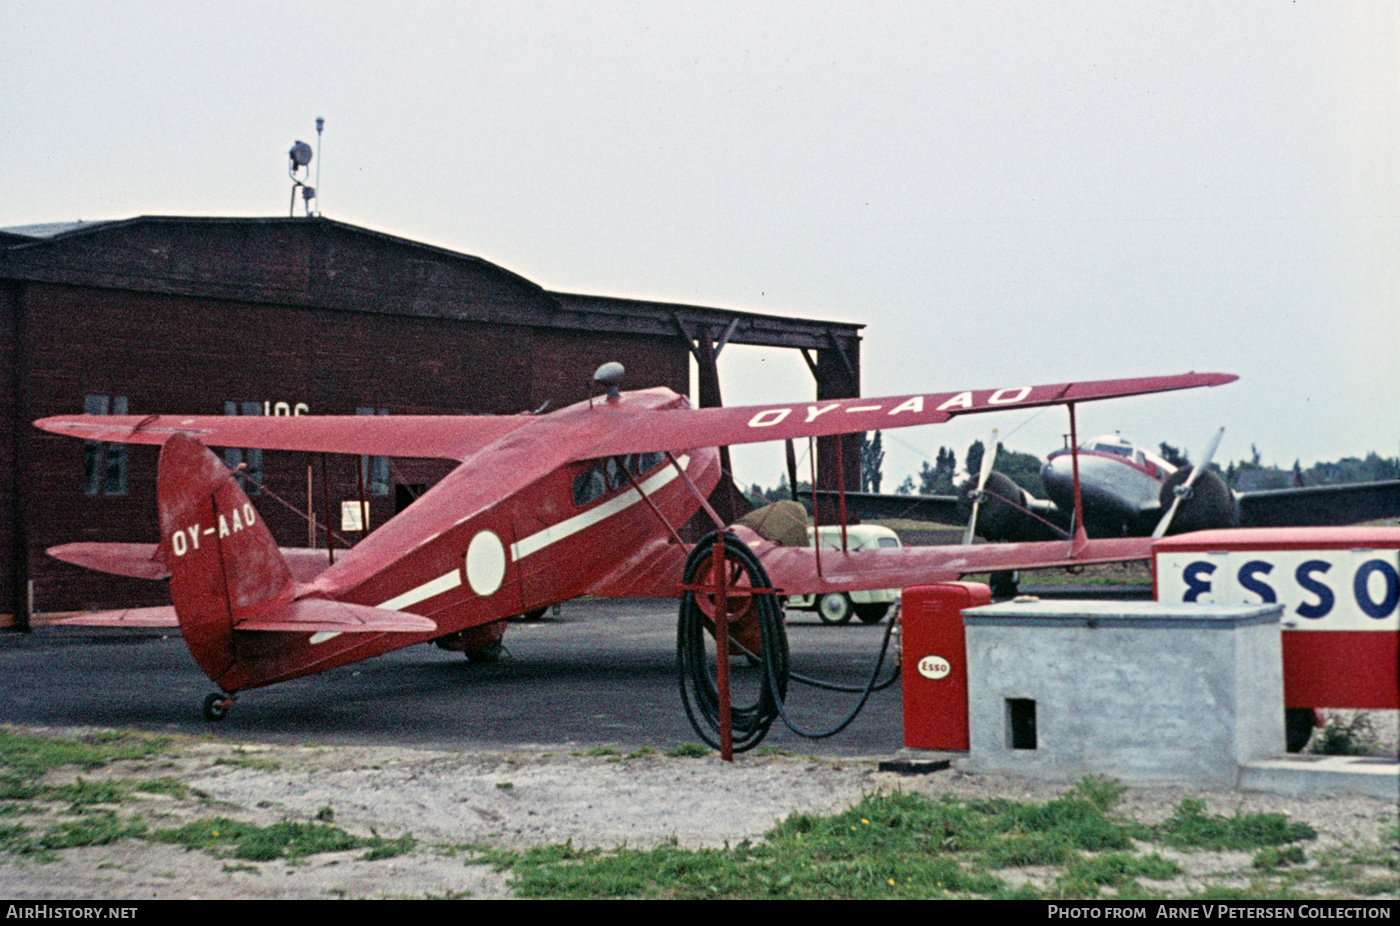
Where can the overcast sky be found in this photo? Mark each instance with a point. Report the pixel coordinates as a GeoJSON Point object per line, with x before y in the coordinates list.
{"type": "Point", "coordinates": [1003, 193]}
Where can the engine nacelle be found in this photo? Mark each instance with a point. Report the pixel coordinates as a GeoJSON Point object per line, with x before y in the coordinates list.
{"type": "Point", "coordinates": [1003, 514]}
{"type": "Point", "coordinates": [1210, 505]}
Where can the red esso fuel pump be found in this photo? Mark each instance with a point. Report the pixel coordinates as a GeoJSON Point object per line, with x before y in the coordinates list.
{"type": "Point", "coordinates": [935, 663]}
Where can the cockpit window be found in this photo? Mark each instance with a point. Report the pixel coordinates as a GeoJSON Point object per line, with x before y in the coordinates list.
{"type": "Point", "coordinates": [610, 475]}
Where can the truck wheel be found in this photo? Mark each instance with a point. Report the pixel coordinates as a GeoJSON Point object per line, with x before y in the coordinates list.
{"type": "Point", "coordinates": [835, 608]}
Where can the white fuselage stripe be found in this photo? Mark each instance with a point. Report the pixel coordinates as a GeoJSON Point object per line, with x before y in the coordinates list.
{"type": "Point", "coordinates": [443, 583]}
{"type": "Point", "coordinates": [567, 528]}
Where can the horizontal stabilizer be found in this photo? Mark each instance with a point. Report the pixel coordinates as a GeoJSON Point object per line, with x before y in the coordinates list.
{"type": "Point", "coordinates": [138, 560]}
{"type": "Point", "coordinates": [144, 560]}
{"type": "Point", "coordinates": [320, 615]}
{"type": "Point", "coordinates": [128, 617]}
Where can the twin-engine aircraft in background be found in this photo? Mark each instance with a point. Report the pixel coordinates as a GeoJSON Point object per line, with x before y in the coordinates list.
{"type": "Point", "coordinates": [586, 500]}
{"type": "Point", "coordinates": [1131, 492]}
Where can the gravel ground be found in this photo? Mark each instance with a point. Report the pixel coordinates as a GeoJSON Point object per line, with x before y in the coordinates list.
{"type": "Point", "coordinates": [526, 797]}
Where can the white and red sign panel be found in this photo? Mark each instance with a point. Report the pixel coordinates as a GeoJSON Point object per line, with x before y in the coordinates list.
{"type": "Point", "coordinates": [1340, 588]}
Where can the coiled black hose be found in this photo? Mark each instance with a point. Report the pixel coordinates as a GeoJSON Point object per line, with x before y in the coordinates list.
{"type": "Point", "coordinates": [699, 692]}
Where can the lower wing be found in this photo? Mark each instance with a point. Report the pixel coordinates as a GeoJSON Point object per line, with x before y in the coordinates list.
{"type": "Point", "coordinates": [656, 571]}
{"type": "Point", "coordinates": [794, 570]}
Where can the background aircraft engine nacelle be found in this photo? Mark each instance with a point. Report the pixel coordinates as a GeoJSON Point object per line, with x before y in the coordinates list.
{"type": "Point", "coordinates": [1003, 516]}
{"type": "Point", "coordinates": [1211, 504]}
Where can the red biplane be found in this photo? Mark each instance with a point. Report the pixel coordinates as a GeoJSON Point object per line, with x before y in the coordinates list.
{"type": "Point", "coordinates": [585, 500]}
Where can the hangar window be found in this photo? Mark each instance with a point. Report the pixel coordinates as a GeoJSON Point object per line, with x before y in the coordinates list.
{"type": "Point", "coordinates": [252, 477]}
{"type": "Point", "coordinates": [374, 470]}
{"type": "Point", "coordinates": [104, 465]}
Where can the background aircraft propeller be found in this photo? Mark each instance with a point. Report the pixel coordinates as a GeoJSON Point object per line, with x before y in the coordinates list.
{"type": "Point", "coordinates": [1182, 492]}
{"type": "Point", "coordinates": [989, 457]}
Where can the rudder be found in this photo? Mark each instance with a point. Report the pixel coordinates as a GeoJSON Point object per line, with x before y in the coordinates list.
{"type": "Point", "coordinates": [223, 561]}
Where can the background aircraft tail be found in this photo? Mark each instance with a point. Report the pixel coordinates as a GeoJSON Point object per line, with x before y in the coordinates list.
{"type": "Point", "coordinates": [224, 563]}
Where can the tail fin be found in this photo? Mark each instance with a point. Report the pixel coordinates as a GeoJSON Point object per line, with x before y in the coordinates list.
{"type": "Point", "coordinates": [223, 561]}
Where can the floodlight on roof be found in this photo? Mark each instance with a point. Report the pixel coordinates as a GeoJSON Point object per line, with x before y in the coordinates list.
{"type": "Point", "coordinates": [300, 154]}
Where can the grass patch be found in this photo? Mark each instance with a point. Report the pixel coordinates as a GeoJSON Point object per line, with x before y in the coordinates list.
{"type": "Point", "coordinates": [690, 751]}
{"type": "Point", "coordinates": [1190, 827]}
{"type": "Point", "coordinates": [1085, 878]}
{"type": "Point", "coordinates": [908, 846]}
{"type": "Point", "coordinates": [288, 839]}
{"type": "Point", "coordinates": [27, 757]}
{"type": "Point", "coordinates": [887, 846]}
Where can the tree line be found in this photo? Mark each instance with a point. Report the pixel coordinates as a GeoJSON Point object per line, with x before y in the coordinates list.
{"type": "Point", "coordinates": [941, 477]}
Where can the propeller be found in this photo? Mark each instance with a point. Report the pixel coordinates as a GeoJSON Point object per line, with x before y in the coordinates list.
{"type": "Point", "coordinates": [989, 457]}
{"type": "Point", "coordinates": [1183, 491]}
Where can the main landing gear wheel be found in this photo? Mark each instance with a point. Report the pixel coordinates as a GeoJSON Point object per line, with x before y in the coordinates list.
{"type": "Point", "coordinates": [485, 655]}
{"type": "Point", "coordinates": [835, 608]}
{"type": "Point", "coordinates": [216, 706]}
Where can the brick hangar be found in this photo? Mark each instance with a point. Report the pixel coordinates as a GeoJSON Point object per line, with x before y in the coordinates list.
{"type": "Point", "coordinates": [288, 316]}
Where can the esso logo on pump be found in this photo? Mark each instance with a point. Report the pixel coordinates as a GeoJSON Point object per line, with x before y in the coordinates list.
{"type": "Point", "coordinates": [934, 667]}
{"type": "Point", "coordinates": [1320, 589]}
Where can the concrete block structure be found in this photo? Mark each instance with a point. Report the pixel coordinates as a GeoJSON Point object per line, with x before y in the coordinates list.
{"type": "Point", "coordinates": [1145, 692]}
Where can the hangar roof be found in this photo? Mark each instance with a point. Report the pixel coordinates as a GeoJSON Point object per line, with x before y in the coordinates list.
{"type": "Point", "coordinates": [319, 262]}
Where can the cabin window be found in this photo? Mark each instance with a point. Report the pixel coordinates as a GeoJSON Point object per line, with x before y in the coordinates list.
{"type": "Point", "coordinates": [251, 478]}
{"type": "Point", "coordinates": [374, 470]}
{"type": "Point", "coordinates": [610, 475]}
{"type": "Point", "coordinates": [104, 465]}
{"type": "Point", "coordinates": [589, 486]}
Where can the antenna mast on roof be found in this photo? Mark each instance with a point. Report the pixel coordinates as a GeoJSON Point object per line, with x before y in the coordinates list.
{"type": "Point", "coordinates": [299, 158]}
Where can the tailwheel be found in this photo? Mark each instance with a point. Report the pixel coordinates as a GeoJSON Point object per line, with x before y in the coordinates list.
{"type": "Point", "coordinates": [217, 704]}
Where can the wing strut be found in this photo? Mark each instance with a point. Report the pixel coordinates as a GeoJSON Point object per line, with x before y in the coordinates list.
{"type": "Point", "coordinates": [1081, 536]}
{"type": "Point", "coordinates": [816, 518]}
{"type": "Point", "coordinates": [632, 478]}
{"type": "Point", "coordinates": [719, 525]}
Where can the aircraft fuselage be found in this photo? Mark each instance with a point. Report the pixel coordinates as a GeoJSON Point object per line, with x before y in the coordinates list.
{"type": "Point", "coordinates": [1119, 482]}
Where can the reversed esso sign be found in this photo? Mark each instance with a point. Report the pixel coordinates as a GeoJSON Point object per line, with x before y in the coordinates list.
{"type": "Point", "coordinates": [1320, 589]}
{"type": "Point", "coordinates": [1340, 591]}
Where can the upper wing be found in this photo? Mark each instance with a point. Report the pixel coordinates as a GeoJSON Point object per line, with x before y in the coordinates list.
{"type": "Point", "coordinates": [448, 437]}
{"type": "Point", "coordinates": [456, 437]}
{"type": "Point", "coordinates": [1320, 505]}
{"type": "Point", "coordinates": [689, 427]}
